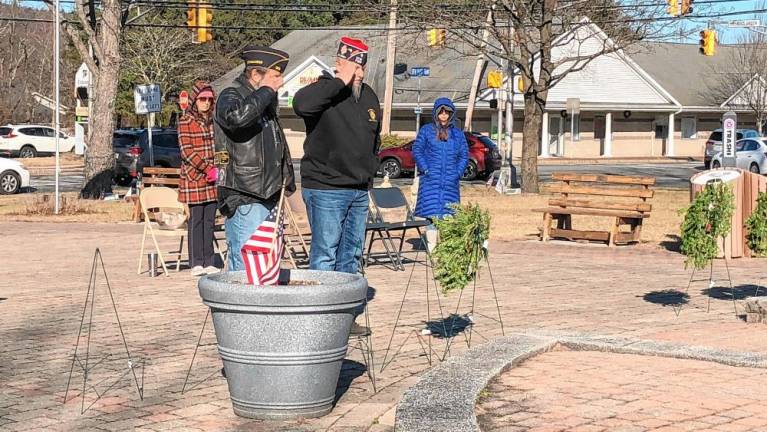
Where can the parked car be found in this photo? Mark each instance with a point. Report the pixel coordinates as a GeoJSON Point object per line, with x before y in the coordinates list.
{"type": "Point", "coordinates": [750, 154]}
{"type": "Point", "coordinates": [29, 141]}
{"type": "Point", "coordinates": [714, 143]}
{"type": "Point", "coordinates": [131, 149]}
{"type": "Point", "coordinates": [13, 176]}
{"type": "Point", "coordinates": [484, 158]}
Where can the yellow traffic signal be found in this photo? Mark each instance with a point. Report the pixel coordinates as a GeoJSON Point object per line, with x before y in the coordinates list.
{"type": "Point", "coordinates": [204, 22]}
{"type": "Point", "coordinates": [687, 7]}
{"type": "Point", "coordinates": [431, 37]}
{"type": "Point", "coordinates": [673, 7]}
{"type": "Point", "coordinates": [521, 84]}
{"type": "Point", "coordinates": [436, 37]}
{"type": "Point", "coordinates": [191, 14]}
{"type": "Point", "coordinates": [495, 79]}
{"type": "Point", "coordinates": [708, 42]}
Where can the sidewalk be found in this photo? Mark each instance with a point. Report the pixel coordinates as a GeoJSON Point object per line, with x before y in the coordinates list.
{"type": "Point", "coordinates": [588, 289]}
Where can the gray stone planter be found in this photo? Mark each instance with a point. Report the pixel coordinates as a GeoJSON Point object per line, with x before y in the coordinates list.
{"type": "Point", "coordinates": [283, 346]}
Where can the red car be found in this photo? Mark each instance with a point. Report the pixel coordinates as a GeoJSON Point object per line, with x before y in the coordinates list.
{"type": "Point", "coordinates": [484, 158]}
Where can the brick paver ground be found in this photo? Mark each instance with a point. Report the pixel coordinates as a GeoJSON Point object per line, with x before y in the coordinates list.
{"type": "Point", "coordinates": [44, 275]}
{"type": "Point", "coordinates": [591, 391]}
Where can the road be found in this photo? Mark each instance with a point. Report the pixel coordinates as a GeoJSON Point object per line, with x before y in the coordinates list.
{"type": "Point", "coordinates": [674, 175]}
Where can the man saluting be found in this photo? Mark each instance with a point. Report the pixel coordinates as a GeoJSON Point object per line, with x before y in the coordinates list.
{"type": "Point", "coordinates": [342, 117]}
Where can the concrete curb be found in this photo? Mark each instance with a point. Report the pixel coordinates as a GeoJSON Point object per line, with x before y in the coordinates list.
{"type": "Point", "coordinates": [611, 161]}
{"type": "Point", "coordinates": [444, 398]}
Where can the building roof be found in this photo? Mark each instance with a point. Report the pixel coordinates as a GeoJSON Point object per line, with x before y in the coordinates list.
{"type": "Point", "coordinates": [683, 71]}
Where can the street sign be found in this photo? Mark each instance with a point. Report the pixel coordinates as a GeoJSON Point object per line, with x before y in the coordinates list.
{"type": "Point", "coordinates": [147, 98]}
{"type": "Point", "coordinates": [82, 77]}
{"type": "Point", "coordinates": [183, 100]}
{"type": "Point", "coordinates": [729, 127]}
{"type": "Point", "coordinates": [420, 71]}
{"type": "Point", "coordinates": [418, 110]}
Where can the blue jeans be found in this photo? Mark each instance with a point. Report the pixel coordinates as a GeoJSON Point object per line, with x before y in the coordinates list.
{"type": "Point", "coordinates": [337, 218]}
{"type": "Point", "coordinates": [239, 228]}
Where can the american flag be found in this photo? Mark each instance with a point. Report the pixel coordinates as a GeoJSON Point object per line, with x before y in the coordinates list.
{"type": "Point", "coordinates": [262, 252]}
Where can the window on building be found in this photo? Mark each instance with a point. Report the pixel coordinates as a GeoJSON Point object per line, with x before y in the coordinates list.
{"type": "Point", "coordinates": [599, 127]}
{"type": "Point", "coordinates": [689, 128]}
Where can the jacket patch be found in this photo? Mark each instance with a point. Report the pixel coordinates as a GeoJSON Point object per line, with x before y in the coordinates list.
{"type": "Point", "coordinates": [372, 114]}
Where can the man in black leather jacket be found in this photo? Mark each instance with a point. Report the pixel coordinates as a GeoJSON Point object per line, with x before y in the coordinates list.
{"type": "Point", "coordinates": [251, 149]}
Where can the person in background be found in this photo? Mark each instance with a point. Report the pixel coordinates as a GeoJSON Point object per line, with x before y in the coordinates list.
{"type": "Point", "coordinates": [251, 148]}
{"type": "Point", "coordinates": [197, 186]}
{"type": "Point", "coordinates": [441, 154]}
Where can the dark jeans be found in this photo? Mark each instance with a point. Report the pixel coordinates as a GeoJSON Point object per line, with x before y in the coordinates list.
{"type": "Point", "coordinates": [202, 218]}
{"type": "Point", "coordinates": [337, 218]}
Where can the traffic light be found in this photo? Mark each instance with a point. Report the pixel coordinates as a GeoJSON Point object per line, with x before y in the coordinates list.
{"type": "Point", "coordinates": [687, 7]}
{"type": "Point", "coordinates": [191, 15]}
{"type": "Point", "coordinates": [495, 79]}
{"type": "Point", "coordinates": [521, 85]}
{"type": "Point", "coordinates": [708, 42]}
{"type": "Point", "coordinates": [204, 22]}
{"type": "Point", "coordinates": [673, 7]}
{"type": "Point", "coordinates": [436, 37]}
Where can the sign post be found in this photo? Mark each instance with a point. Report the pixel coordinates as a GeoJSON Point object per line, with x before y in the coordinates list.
{"type": "Point", "coordinates": [419, 72]}
{"type": "Point", "coordinates": [729, 127]}
{"type": "Point", "coordinates": [147, 99]}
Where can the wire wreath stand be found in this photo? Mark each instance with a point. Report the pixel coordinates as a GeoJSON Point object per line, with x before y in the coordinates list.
{"type": "Point", "coordinates": [712, 284]}
{"type": "Point", "coordinates": [457, 323]}
{"type": "Point", "coordinates": [85, 364]}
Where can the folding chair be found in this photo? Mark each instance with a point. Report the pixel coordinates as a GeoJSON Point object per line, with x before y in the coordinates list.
{"type": "Point", "coordinates": [297, 232]}
{"type": "Point", "coordinates": [384, 202]}
{"type": "Point", "coordinates": [152, 199]}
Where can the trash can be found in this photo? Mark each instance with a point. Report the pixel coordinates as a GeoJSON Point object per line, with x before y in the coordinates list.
{"type": "Point", "coordinates": [746, 189]}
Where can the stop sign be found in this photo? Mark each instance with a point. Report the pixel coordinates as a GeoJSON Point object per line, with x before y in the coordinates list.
{"type": "Point", "coordinates": [183, 100]}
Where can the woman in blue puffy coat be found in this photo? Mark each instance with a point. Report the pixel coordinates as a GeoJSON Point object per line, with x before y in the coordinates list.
{"type": "Point", "coordinates": [441, 154]}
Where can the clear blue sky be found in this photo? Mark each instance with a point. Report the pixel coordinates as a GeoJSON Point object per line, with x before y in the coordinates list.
{"type": "Point", "coordinates": [725, 35]}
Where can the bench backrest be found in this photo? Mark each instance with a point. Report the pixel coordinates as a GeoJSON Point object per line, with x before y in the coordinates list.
{"type": "Point", "coordinates": [156, 176]}
{"type": "Point", "coordinates": [574, 190]}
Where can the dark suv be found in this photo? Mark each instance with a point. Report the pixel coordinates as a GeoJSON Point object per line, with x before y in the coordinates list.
{"type": "Point", "coordinates": [131, 149]}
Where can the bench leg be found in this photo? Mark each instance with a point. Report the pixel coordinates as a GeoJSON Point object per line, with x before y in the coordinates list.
{"type": "Point", "coordinates": [614, 231]}
{"type": "Point", "coordinates": [636, 229]}
{"type": "Point", "coordinates": [546, 227]}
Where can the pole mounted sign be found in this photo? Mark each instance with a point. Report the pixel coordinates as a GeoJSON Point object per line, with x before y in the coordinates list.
{"type": "Point", "coordinates": [729, 127]}
{"type": "Point", "coordinates": [420, 71]}
{"type": "Point", "coordinates": [183, 100]}
{"type": "Point", "coordinates": [147, 99]}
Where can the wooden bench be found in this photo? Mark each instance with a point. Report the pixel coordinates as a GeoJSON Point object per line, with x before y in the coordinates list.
{"type": "Point", "coordinates": [623, 199]}
{"type": "Point", "coordinates": [155, 176]}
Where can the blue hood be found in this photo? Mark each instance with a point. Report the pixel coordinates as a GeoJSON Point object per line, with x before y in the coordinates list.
{"type": "Point", "coordinates": [443, 102]}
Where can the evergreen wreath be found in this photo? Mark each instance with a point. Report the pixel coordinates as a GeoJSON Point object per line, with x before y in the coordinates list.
{"type": "Point", "coordinates": [705, 221]}
{"type": "Point", "coordinates": [461, 246]}
{"type": "Point", "coordinates": [756, 225]}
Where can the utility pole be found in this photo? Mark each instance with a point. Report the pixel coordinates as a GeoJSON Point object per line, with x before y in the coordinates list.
{"type": "Point", "coordinates": [477, 75]}
{"type": "Point", "coordinates": [391, 49]}
{"type": "Point", "coordinates": [57, 110]}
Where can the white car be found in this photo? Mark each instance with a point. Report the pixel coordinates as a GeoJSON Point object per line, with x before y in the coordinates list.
{"type": "Point", "coordinates": [30, 140]}
{"type": "Point", "coordinates": [750, 154]}
{"type": "Point", "coordinates": [13, 176]}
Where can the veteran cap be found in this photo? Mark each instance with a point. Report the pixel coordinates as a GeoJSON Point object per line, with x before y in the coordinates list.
{"type": "Point", "coordinates": [265, 57]}
{"type": "Point", "coordinates": [353, 50]}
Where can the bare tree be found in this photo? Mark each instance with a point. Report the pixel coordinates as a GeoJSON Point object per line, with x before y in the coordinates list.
{"type": "Point", "coordinates": [163, 56]}
{"type": "Point", "coordinates": [26, 64]}
{"type": "Point", "coordinates": [542, 40]}
{"type": "Point", "coordinates": [98, 43]}
{"type": "Point", "coordinates": [743, 83]}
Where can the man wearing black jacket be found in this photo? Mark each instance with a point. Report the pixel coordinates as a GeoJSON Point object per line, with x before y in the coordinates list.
{"type": "Point", "coordinates": [342, 117]}
{"type": "Point", "coordinates": [251, 148]}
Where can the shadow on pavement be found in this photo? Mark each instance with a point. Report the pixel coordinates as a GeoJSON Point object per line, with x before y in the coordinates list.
{"type": "Point", "coordinates": [740, 292]}
{"type": "Point", "coordinates": [667, 297]}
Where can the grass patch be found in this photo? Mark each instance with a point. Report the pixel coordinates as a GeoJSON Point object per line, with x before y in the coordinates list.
{"type": "Point", "coordinates": [40, 208]}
